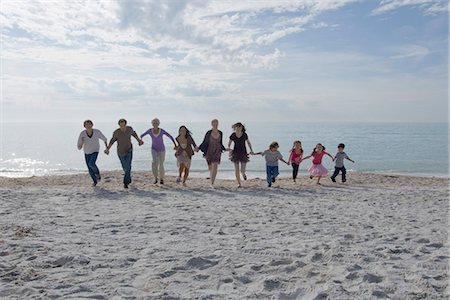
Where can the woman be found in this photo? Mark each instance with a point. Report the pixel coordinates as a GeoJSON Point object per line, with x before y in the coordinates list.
{"type": "Point", "coordinates": [212, 148]}
{"type": "Point", "coordinates": [89, 141]}
{"type": "Point", "coordinates": [185, 150]}
{"type": "Point", "coordinates": [158, 149]}
{"type": "Point", "coordinates": [239, 155]}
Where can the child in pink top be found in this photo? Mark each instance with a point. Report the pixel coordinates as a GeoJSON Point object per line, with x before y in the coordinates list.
{"type": "Point", "coordinates": [317, 169]}
{"type": "Point", "coordinates": [295, 158]}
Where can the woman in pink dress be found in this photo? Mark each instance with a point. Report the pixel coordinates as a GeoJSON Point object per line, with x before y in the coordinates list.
{"type": "Point", "coordinates": [212, 148]}
{"type": "Point", "coordinates": [317, 169]}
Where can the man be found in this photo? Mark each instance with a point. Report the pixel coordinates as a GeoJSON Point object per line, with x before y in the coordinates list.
{"type": "Point", "coordinates": [124, 148]}
{"type": "Point", "coordinates": [89, 141]}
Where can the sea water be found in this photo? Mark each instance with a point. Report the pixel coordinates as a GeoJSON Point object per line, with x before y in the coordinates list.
{"type": "Point", "coordinates": [39, 149]}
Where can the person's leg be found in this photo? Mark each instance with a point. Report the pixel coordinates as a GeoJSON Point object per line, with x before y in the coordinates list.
{"type": "Point", "coordinates": [214, 167]}
{"type": "Point", "coordinates": [186, 174]}
{"type": "Point", "coordinates": [155, 164]}
{"type": "Point", "coordinates": [180, 172]}
{"type": "Point", "coordinates": [274, 173]}
{"type": "Point", "coordinates": [161, 159]}
{"type": "Point", "coordinates": [294, 171]}
{"type": "Point", "coordinates": [125, 160]}
{"type": "Point", "coordinates": [87, 157]}
{"type": "Point", "coordinates": [344, 173]}
{"type": "Point", "coordinates": [269, 176]}
{"type": "Point", "coordinates": [94, 165]}
{"type": "Point", "coordinates": [318, 179]}
{"type": "Point", "coordinates": [237, 173]}
{"type": "Point", "coordinates": [243, 169]}
{"type": "Point", "coordinates": [336, 173]}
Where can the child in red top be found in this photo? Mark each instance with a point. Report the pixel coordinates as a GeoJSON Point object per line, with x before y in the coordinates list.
{"type": "Point", "coordinates": [316, 169]}
{"type": "Point", "coordinates": [295, 158]}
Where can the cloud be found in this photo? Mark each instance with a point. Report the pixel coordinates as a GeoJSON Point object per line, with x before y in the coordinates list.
{"type": "Point", "coordinates": [428, 6]}
{"type": "Point", "coordinates": [415, 52]}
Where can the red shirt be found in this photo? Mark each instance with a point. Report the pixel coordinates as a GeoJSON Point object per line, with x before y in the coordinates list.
{"type": "Point", "coordinates": [296, 158]}
{"type": "Point", "coordinates": [317, 157]}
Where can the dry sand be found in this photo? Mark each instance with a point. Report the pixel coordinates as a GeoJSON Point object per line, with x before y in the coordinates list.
{"type": "Point", "coordinates": [377, 236]}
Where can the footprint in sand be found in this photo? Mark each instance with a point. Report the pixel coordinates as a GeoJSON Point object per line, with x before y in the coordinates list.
{"type": "Point", "coordinates": [201, 263]}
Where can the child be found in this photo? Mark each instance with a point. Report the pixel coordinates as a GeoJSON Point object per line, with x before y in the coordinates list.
{"type": "Point", "coordinates": [295, 158]}
{"type": "Point", "coordinates": [272, 155]}
{"type": "Point", "coordinates": [316, 169]}
{"type": "Point", "coordinates": [185, 150]}
{"type": "Point", "coordinates": [339, 167]}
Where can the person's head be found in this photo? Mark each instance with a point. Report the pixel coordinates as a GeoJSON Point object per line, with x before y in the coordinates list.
{"type": "Point", "coordinates": [155, 122]}
{"type": "Point", "coordinates": [183, 131]}
{"type": "Point", "coordinates": [88, 124]}
{"type": "Point", "coordinates": [319, 148]}
{"type": "Point", "coordinates": [274, 146]}
{"type": "Point", "coordinates": [341, 147]}
{"type": "Point", "coordinates": [238, 127]}
{"type": "Point", "coordinates": [215, 123]}
{"type": "Point", "coordinates": [122, 123]}
{"type": "Point", "coordinates": [297, 145]}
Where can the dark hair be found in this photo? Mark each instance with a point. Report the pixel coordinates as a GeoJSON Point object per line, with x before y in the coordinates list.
{"type": "Point", "coordinates": [273, 145]}
{"type": "Point", "coordinates": [188, 133]}
{"type": "Point", "coordinates": [87, 121]}
{"type": "Point", "coordinates": [122, 120]}
{"type": "Point", "coordinates": [323, 148]}
{"type": "Point", "coordinates": [238, 124]}
{"type": "Point", "coordinates": [341, 145]}
{"type": "Point", "coordinates": [295, 142]}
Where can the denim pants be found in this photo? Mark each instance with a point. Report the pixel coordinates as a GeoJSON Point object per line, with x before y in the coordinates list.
{"type": "Point", "coordinates": [125, 160]}
{"type": "Point", "coordinates": [336, 173]}
{"type": "Point", "coordinates": [272, 172]}
{"type": "Point", "coordinates": [91, 159]}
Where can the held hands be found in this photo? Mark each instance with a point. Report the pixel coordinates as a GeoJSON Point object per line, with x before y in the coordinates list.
{"type": "Point", "coordinates": [140, 142]}
{"type": "Point", "coordinates": [196, 149]}
{"type": "Point", "coordinates": [107, 151]}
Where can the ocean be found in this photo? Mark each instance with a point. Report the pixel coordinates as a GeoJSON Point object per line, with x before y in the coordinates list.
{"type": "Point", "coordinates": [418, 149]}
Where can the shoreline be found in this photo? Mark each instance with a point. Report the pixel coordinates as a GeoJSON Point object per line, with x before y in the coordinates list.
{"type": "Point", "coordinates": [145, 179]}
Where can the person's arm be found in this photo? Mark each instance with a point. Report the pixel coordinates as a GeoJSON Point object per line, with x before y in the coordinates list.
{"type": "Point", "coordinates": [111, 142]}
{"type": "Point", "coordinates": [145, 133]}
{"type": "Point", "coordinates": [103, 138]}
{"type": "Point", "coordinates": [305, 158]}
{"type": "Point", "coordinates": [250, 145]}
{"type": "Point", "coordinates": [138, 139]}
{"type": "Point", "coordinates": [290, 156]}
{"type": "Point", "coordinates": [169, 136]}
{"type": "Point", "coordinates": [331, 156]}
{"type": "Point", "coordinates": [282, 159]}
{"type": "Point", "coordinates": [229, 144]}
{"type": "Point", "coordinates": [80, 142]}
{"type": "Point", "coordinates": [346, 156]}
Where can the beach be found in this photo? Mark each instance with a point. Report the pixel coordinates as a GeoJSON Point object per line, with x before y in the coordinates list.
{"type": "Point", "coordinates": [377, 236]}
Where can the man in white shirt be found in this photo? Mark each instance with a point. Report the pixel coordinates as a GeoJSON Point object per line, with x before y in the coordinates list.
{"type": "Point", "coordinates": [89, 141]}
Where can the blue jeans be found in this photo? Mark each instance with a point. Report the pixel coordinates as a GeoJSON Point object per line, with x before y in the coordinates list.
{"type": "Point", "coordinates": [272, 172]}
{"type": "Point", "coordinates": [94, 172]}
{"type": "Point", "coordinates": [125, 160]}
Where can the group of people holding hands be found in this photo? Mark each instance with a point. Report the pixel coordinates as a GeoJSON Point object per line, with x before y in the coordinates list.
{"type": "Point", "coordinates": [212, 148]}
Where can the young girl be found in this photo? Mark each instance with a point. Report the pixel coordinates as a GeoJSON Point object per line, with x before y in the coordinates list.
{"type": "Point", "coordinates": [239, 155]}
{"type": "Point", "coordinates": [185, 150]}
{"type": "Point", "coordinates": [212, 148]}
{"type": "Point", "coordinates": [158, 149]}
{"type": "Point", "coordinates": [316, 169]}
{"type": "Point", "coordinates": [272, 156]}
{"type": "Point", "coordinates": [295, 158]}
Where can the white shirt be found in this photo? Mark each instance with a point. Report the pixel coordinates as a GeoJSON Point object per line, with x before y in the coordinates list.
{"type": "Point", "coordinates": [90, 144]}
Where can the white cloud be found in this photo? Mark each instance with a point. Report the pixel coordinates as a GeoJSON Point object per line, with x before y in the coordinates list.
{"type": "Point", "coordinates": [415, 52]}
{"type": "Point", "coordinates": [428, 6]}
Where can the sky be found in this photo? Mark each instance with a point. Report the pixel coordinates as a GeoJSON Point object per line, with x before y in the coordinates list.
{"type": "Point", "coordinates": [255, 60]}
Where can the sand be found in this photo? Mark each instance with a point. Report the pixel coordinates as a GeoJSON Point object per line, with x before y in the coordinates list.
{"type": "Point", "coordinates": [377, 236]}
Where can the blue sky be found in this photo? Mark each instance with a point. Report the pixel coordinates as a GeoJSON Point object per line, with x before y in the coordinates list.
{"type": "Point", "coordinates": [305, 60]}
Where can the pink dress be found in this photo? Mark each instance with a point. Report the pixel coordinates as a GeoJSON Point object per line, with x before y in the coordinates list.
{"type": "Point", "coordinates": [316, 169]}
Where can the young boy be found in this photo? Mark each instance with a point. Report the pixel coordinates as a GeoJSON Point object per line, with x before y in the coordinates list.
{"type": "Point", "coordinates": [272, 155]}
{"type": "Point", "coordinates": [339, 167]}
